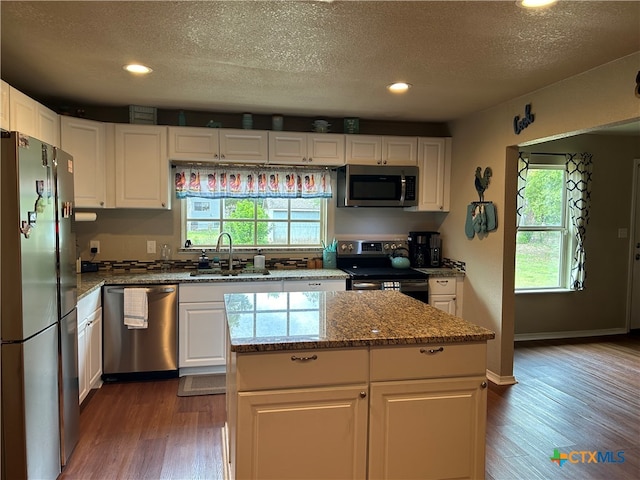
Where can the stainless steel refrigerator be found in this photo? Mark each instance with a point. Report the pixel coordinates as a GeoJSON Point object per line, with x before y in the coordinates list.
{"type": "Point", "coordinates": [37, 309]}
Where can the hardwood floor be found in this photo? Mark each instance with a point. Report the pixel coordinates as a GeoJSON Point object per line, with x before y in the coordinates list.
{"type": "Point", "coordinates": [581, 395]}
{"type": "Point", "coordinates": [143, 430]}
{"type": "Point", "coordinates": [578, 395]}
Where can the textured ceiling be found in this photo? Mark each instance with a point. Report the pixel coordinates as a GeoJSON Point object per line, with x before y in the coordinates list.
{"type": "Point", "coordinates": [308, 57]}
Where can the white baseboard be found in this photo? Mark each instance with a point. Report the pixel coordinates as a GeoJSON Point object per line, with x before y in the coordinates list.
{"type": "Point", "coordinates": [501, 380]}
{"type": "Point", "coordinates": [519, 337]}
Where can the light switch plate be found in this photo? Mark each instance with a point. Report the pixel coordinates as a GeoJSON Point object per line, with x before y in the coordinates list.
{"type": "Point", "coordinates": [151, 246]}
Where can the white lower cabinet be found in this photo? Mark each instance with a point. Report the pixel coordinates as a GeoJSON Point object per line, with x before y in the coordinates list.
{"type": "Point", "coordinates": [445, 293]}
{"type": "Point", "coordinates": [202, 329]}
{"type": "Point", "coordinates": [303, 433]}
{"type": "Point", "coordinates": [427, 429]}
{"type": "Point", "coordinates": [89, 343]}
{"type": "Point", "coordinates": [387, 412]}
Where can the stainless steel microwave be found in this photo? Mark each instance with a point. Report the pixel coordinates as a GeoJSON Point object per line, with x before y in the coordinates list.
{"type": "Point", "coordinates": [377, 186]}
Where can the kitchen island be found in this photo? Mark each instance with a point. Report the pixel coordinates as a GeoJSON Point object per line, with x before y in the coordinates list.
{"type": "Point", "coordinates": [369, 384]}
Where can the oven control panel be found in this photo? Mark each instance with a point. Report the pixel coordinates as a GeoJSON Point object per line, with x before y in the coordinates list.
{"type": "Point", "coordinates": [369, 247]}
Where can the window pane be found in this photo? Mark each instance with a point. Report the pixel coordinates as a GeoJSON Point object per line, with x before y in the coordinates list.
{"type": "Point", "coordinates": [202, 232]}
{"type": "Point", "coordinates": [538, 257]}
{"type": "Point", "coordinates": [242, 233]}
{"type": "Point", "coordinates": [304, 233]}
{"type": "Point", "coordinates": [543, 204]}
{"type": "Point", "coordinates": [239, 208]}
{"type": "Point", "coordinates": [278, 233]}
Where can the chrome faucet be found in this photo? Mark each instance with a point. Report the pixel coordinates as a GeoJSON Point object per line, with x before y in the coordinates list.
{"type": "Point", "coordinates": [219, 242]}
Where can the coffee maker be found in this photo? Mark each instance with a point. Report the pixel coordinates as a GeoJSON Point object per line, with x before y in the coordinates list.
{"type": "Point", "coordinates": [425, 249]}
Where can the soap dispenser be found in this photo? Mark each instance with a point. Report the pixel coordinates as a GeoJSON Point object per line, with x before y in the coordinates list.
{"type": "Point", "coordinates": [203, 261]}
{"type": "Point", "coordinates": [259, 261]}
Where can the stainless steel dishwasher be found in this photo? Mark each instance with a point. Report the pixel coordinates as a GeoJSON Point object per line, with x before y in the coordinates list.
{"type": "Point", "coordinates": [150, 352]}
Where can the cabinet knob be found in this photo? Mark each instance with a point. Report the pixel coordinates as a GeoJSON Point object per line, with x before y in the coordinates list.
{"type": "Point", "coordinates": [215, 155]}
{"type": "Point", "coordinates": [483, 384]}
{"type": "Point", "coordinates": [102, 204]}
{"type": "Point", "coordinates": [310, 160]}
{"type": "Point", "coordinates": [363, 394]}
{"type": "Point", "coordinates": [222, 156]}
{"type": "Point", "coordinates": [163, 204]}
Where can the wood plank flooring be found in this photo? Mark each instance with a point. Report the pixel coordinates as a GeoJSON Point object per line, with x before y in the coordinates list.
{"type": "Point", "coordinates": [581, 395]}
{"type": "Point", "coordinates": [578, 395]}
{"type": "Point", "coordinates": [143, 430]}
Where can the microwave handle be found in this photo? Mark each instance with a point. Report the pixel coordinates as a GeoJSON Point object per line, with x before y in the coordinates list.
{"type": "Point", "coordinates": [403, 188]}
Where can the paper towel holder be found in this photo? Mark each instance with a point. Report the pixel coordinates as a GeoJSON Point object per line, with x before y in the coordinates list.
{"type": "Point", "coordinates": [85, 216]}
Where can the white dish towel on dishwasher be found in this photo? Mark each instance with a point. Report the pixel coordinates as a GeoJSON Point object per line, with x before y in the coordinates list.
{"type": "Point", "coordinates": [136, 308]}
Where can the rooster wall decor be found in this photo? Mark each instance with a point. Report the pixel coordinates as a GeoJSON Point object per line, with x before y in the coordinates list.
{"type": "Point", "coordinates": [482, 181]}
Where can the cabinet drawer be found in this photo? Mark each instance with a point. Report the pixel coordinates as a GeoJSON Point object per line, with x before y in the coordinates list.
{"type": "Point", "coordinates": [260, 371]}
{"type": "Point", "coordinates": [214, 292]}
{"type": "Point", "coordinates": [417, 361]}
{"type": "Point", "coordinates": [442, 286]}
{"type": "Point", "coordinates": [89, 304]}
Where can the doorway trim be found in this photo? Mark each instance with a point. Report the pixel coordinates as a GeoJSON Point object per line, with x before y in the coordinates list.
{"type": "Point", "coordinates": [635, 192]}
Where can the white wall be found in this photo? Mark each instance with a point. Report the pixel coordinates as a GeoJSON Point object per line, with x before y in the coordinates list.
{"type": "Point", "coordinates": [601, 96]}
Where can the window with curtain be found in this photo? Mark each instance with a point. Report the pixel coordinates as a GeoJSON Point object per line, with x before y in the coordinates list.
{"type": "Point", "coordinates": [554, 193]}
{"type": "Point", "coordinates": [260, 208]}
{"type": "Point", "coordinates": [542, 238]}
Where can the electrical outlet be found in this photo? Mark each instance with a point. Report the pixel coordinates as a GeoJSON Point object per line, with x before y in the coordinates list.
{"type": "Point", "coordinates": [151, 246]}
{"type": "Point", "coordinates": [94, 244]}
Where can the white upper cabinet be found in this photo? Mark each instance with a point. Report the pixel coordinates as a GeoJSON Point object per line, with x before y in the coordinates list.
{"type": "Point", "coordinates": [245, 146]}
{"type": "Point", "coordinates": [194, 143]}
{"type": "Point", "coordinates": [85, 141]}
{"type": "Point", "coordinates": [297, 148]}
{"type": "Point", "coordinates": [434, 162]}
{"type": "Point", "coordinates": [31, 118]}
{"type": "Point", "coordinates": [381, 150]}
{"type": "Point", "coordinates": [399, 150]}
{"type": "Point", "coordinates": [363, 149]}
{"type": "Point", "coordinates": [23, 113]}
{"type": "Point", "coordinates": [141, 167]}
{"type": "Point", "coordinates": [218, 145]}
{"type": "Point", "coordinates": [5, 124]}
{"type": "Point", "coordinates": [48, 126]}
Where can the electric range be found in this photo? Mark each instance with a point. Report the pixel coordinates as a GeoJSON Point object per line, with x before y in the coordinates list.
{"type": "Point", "coordinates": [368, 263]}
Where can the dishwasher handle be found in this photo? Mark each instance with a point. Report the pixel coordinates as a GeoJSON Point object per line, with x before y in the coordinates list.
{"type": "Point", "coordinates": [150, 291]}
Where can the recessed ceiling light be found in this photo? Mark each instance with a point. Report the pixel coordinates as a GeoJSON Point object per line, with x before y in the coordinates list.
{"type": "Point", "coordinates": [138, 69]}
{"type": "Point", "coordinates": [398, 87]}
{"type": "Point", "coordinates": [535, 3]}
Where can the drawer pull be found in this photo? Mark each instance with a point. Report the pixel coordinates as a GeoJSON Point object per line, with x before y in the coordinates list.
{"type": "Point", "coordinates": [432, 351]}
{"type": "Point", "coordinates": [303, 359]}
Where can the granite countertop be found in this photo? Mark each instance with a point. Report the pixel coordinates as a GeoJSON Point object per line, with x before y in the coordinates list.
{"type": "Point", "coordinates": [88, 282]}
{"type": "Point", "coordinates": [441, 272]}
{"type": "Point", "coordinates": [260, 322]}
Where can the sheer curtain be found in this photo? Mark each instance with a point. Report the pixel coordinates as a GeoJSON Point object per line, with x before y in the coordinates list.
{"type": "Point", "coordinates": [245, 182]}
{"type": "Point", "coordinates": [579, 170]}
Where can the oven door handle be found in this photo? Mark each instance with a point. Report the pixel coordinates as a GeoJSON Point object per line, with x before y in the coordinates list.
{"type": "Point", "coordinates": [365, 286]}
{"type": "Point", "coordinates": [403, 188]}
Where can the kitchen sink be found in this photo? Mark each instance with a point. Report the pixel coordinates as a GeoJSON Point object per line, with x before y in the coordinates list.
{"type": "Point", "coordinates": [228, 273]}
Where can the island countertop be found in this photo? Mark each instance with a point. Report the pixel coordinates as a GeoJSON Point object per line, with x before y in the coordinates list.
{"type": "Point", "coordinates": [262, 322]}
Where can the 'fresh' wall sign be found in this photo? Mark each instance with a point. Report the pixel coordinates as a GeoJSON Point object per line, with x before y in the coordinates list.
{"type": "Point", "coordinates": [519, 124]}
